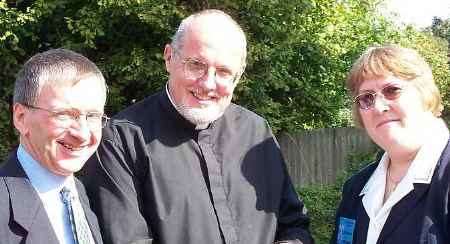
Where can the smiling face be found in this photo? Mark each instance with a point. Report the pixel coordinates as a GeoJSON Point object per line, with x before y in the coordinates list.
{"type": "Point", "coordinates": [204, 99]}
{"type": "Point", "coordinates": [62, 151]}
{"type": "Point", "coordinates": [397, 122]}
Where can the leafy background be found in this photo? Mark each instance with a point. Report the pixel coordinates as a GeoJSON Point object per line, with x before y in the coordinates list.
{"type": "Point", "coordinates": [299, 50]}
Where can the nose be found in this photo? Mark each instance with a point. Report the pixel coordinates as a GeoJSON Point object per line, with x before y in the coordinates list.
{"type": "Point", "coordinates": [381, 104]}
{"type": "Point", "coordinates": [81, 129]}
{"type": "Point", "coordinates": [209, 81]}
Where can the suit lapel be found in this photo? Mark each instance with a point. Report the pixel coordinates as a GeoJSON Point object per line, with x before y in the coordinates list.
{"type": "Point", "coordinates": [90, 216]}
{"type": "Point", "coordinates": [27, 208]}
{"type": "Point", "coordinates": [362, 223]}
{"type": "Point", "coordinates": [402, 209]}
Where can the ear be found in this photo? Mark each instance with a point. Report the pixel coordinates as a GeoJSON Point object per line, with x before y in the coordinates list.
{"type": "Point", "coordinates": [19, 118]}
{"type": "Point", "coordinates": [168, 56]}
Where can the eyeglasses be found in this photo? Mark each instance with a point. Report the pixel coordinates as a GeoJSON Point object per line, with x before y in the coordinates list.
{"type": "Point", "coordinates": [195, 69]}
{"type": "Point", "coordinates": [65, 118]}
{"type": "Point", "coordinates": [366, 100]}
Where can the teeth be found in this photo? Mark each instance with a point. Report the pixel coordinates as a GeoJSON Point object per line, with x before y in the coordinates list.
{"type": "Point", "coordinates": [199, 96]}
{"type": "Point", "coordinates": [70, 147]}
{"type": "Point", "coordinates": [67, 146]}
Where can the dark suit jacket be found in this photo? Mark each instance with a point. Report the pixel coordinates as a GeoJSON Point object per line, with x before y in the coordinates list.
{"type": "Point", "coordinates": [23, 218]}
{"type": "Point", "coordinates": [419, 217]}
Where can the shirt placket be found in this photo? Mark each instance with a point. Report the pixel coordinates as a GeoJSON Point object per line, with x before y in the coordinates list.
{"type": "Point", "coordinates": [217, 187]}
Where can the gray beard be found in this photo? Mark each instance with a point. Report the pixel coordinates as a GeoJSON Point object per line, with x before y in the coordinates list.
{"type": "Point", "coordinates": [200, 116]}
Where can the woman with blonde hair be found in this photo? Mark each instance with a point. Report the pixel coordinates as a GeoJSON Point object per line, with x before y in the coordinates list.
{"type": "Point", "coordinates": [403, 196]}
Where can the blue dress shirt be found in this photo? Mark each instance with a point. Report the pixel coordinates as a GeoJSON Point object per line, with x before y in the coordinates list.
{"type": "Point", "coordinates": [48, 186]}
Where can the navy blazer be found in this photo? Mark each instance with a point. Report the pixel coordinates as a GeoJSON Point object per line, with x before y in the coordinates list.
{"type": "Point", "coordinates": [23, 218]}
{"type": "Point", "coordinates": [419, 217]}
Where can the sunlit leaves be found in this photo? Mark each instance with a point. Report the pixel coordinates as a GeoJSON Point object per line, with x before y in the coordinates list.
{"type": "Point", "coordinates": [299, 51]}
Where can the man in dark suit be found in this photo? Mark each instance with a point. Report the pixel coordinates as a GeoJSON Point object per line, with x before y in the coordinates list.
{"type": "Point", "coordinates": [59, 97]}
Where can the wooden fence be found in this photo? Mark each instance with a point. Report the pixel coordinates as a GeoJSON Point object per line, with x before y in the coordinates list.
{"type": "Point", "coordinates": [316, 157]}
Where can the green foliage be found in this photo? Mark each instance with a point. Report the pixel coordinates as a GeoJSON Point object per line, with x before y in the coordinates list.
{"type": "Point", "coordinates": [322, 200]}
{"type": "Point", "coordinates": [441, 28]}
{"type": "Point", "coordinates": [299, 51]}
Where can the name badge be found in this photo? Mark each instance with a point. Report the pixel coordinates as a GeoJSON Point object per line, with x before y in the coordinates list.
{"type": "Point", "coordinates": [345, 231]}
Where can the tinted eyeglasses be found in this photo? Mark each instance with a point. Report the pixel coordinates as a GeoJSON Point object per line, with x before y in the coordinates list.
{"type": "Point", "coordinates": [366, 100]}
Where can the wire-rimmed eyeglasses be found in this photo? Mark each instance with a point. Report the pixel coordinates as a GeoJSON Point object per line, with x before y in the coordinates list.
{"type": "Point", "coordinates": [195, 69]}
{"type": "Point", "coordinates": [66, 117]}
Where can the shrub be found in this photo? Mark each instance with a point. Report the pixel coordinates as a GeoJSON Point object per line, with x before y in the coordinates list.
{"type": "Point", "coordinates": [322, 200]}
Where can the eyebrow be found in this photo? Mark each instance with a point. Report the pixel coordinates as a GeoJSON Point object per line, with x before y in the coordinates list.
{"type": "Point", "coordinates": [75, 110]}
{"type": "Point", "coordinates": [202, 60]}
{"type": "Point", "coordinates": [389, 83]}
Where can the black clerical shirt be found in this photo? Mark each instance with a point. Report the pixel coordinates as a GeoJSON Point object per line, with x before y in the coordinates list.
{"type": "Point", "coordinates": [155, 177]}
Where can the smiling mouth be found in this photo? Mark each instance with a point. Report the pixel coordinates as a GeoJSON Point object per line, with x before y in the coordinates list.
{"type": "Point", "coordinates": [202, 96]}
{"type": "Point", "coordinates": [387, 122]}
{"type": "Point", "coordinates": [70, 147]}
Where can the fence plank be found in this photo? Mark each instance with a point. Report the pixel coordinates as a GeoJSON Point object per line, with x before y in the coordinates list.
{"type": "Point", "coordinates": [316, 157]}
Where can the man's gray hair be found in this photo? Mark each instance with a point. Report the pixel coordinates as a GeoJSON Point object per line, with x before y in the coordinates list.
{"type": "Point", "coordinates": [53, 67]}
{"type": "Point", "coordinates": [178, 38]}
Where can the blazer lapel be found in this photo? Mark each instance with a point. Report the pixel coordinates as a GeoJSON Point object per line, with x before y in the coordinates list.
{"type": "Point", "coordinates": [362, 223]}
{"type": "Point", "coordinates": [352, 206]}
{"type": "Point", "coordinates": [27, 208]}
{"type": "Point", "coordinates": [401, 209]}
{"type": "Point", "coordinates": [90, 216]}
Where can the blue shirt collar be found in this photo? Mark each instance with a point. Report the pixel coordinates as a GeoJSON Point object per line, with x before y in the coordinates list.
{"type": "Point", "coordinates": [40, 177]}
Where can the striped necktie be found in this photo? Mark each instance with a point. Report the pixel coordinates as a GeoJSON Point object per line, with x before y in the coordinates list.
{"type": "Point", "coordinates": [80, 227]}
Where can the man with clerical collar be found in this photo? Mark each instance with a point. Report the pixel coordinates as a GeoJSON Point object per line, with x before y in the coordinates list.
{"type": "Point", "coordinates": [188, 166]}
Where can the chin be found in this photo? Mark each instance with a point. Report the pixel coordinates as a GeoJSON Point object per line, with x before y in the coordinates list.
{"type": "Point", "coordinates": [399, 141]}
{"type": "Point", "coordinates": [204, 115]}
{"type": "Point", "coordinates": [72, 165]}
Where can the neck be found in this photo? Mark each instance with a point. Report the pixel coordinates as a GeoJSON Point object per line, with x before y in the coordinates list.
{"type": "Point", "coordinates": [402, 155]}
{"type": "Point", "coordinates": [396, 170]}
{"type": "Point", "coordinates": [399, 164]}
